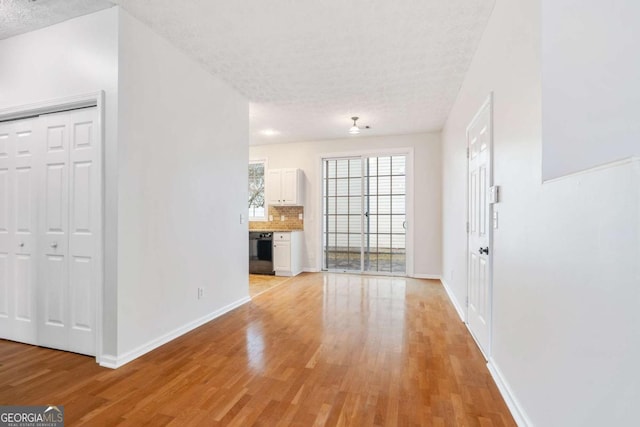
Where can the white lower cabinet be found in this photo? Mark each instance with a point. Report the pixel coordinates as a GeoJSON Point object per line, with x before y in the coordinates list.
{"type": "Point", "coordinates": [287, 253]}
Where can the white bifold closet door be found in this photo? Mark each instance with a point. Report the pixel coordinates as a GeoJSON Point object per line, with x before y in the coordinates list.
{"type": "Point", "coordinates": [18, 231]}
{"type": "Point", "coordinates": [64, 211]}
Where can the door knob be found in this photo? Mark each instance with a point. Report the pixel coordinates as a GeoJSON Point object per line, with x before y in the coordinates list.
{"type": "Point", "coordinates": [54, 245]}
{"type": "Point", "coordinates": [484, 250]}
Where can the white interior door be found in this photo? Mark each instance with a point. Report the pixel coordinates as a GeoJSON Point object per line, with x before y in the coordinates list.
{"type": "Point", "coordinates": [18, 201]}
{"type": "Point", "coordinates": [479, 138]}
{"type": "Point", "coordinates": [69, 224]}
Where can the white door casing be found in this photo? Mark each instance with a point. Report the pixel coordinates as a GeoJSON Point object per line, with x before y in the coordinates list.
{"type": "Point", "coordinates": [18, 223]}
{"type": "Point", "coordinates": [479, 140]}
{"type": "Point", "coordinates": [69, 231]}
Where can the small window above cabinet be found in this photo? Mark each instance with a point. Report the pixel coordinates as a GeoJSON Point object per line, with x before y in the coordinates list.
{"type": "Point", "coordinates": [284, 187]}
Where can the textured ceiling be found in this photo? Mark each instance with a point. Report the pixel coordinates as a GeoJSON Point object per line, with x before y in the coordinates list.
{"type": "Point", "coordinates": [21, 16]}
{"type": "Point", "coordinates": [308, 66]}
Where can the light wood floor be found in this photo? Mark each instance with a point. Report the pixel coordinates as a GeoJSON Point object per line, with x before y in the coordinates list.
{"type": "Point", "coordinates": [259, 283]}
{"type": "Point", "coordinates": [321, 349]}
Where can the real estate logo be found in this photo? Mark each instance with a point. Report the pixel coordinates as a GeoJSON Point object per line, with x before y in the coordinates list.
{"type": "Point", "coordinates": [32, 416]}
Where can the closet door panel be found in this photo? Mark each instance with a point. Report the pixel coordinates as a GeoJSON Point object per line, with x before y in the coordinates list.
{"type": "Point", "coordinates": [7, 140]}
{"type": "Point", "coordinates": [53, 242]}
{"type": "Point", "coordinates": [18, 230]}
{"type": "Point", "coordinates": [84, 229]}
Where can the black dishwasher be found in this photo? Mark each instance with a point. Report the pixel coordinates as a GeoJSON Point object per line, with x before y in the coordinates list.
{"type": "Point", "coordinates": [260, 252]}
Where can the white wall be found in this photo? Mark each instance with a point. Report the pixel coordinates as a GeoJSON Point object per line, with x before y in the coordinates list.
{"type": "Point", "coordinates": [590, 89]}
{"type": "Point", "coordinates": [426, 226]}
{"type": "Point", "coordinates": [71, 58]}
{"type": "Point", "coordinates": [566, 254]}
{"type": "Point", "coordinates": [183, 149]}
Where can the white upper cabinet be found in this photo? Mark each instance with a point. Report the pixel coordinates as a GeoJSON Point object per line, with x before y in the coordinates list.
{"type": "Point", "coordinates": [284, 187]}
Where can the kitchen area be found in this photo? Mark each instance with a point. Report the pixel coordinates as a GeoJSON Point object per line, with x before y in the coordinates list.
{"type": "Point", "coordinates": [276, 224]}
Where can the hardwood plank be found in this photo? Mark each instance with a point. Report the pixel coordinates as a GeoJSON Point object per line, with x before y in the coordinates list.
{"type": "Point", "coordinates": [317, 349]}
{"type": "Point", "coordinates": [259, 283]}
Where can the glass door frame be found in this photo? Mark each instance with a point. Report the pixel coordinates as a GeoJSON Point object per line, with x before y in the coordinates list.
{"type": "Point", "coordinates": [409, 207]}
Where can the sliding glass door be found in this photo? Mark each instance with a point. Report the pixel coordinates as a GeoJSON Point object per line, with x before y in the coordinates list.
{"type": "Point", "coordinates": [385, 214]}
{"type": "Point", "coordinates": [342, 218]}
{"type": "Point", "coordinates": [364, 214]}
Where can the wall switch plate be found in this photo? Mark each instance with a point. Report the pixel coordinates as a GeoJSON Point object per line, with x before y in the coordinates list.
{"type": "Point", "coordinates": [494, 194]}
{"type": "Point", "coordinates": [300, 216]}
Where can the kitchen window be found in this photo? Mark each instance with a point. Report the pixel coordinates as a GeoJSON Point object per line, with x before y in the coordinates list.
{"type": "Point", "coordinates": [257, 200]}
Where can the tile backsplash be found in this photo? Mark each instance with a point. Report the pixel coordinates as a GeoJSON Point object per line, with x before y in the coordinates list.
{"type": "Point", "coordinates": [291, 221]}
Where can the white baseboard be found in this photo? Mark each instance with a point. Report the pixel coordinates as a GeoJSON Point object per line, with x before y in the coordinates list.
{"type": "Point", "coordinates": [114, 362]}
{"type": "Point", "coordinates": [426, 276]}
{"type": "Point", "coordinates": [109, 361]}
{"type": "Point", "coordinates": [310, 270]}
{"type": "Point", "coordinates": [284, 274]}
{"type": "Point", "coordinates": [514, 406]}
{"type": "Point", "coordinates": [453, 300]}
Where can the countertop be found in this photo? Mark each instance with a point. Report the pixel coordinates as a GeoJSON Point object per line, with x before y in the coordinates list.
{"type": "Point", "coordinates": [273, 230]}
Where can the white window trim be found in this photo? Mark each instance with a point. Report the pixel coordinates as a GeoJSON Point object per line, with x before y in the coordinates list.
{"type": "Point", "coordinates": [266, 202]}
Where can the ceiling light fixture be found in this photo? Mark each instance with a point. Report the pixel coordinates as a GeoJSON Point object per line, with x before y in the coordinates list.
{"type": "Point", "coordinates": [354, 129]}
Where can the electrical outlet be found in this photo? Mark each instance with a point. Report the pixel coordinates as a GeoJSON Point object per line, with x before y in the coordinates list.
{"type": "Point", "coordinates": [200, 293]}
{"type": "Point", "coordinates": [270, 217]}
{"type": "Point", "coordinates": [282, 217]}
{"type": "Point", "coordinates": [241, 219]}
{"type": "Point", "coordinates": [300, 217]}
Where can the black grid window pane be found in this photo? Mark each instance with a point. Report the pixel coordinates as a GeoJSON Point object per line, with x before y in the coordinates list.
{"type": "Point", "coordinates": [398, 205]}
{"type": "Point", "coordinates": [355, 205]}
{"type": "Point", "coordinates": [397, 224]}
{"type": "Point", "coordinates": [384, 185]}
{"type": "Point", "coordinates": [398, 165]}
